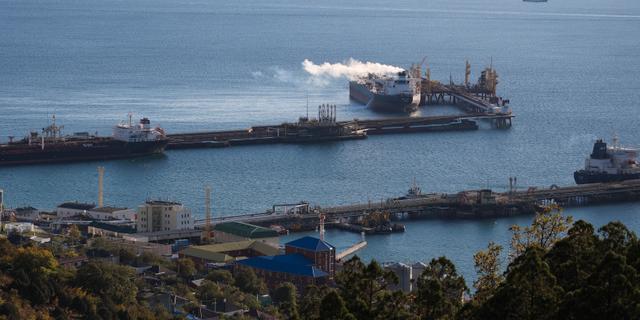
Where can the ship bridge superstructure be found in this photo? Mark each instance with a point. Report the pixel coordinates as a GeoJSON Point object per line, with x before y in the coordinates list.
{"type": "Point", "coordinates": [140, 132]}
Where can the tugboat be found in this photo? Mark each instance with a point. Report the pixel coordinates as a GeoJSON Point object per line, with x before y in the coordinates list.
{"type": "Point", "coordinates": [609, 164]}
{"type": "Point", "coordinates": [128, 140]}
{"type": "Point", "coordinates": [393, 94]}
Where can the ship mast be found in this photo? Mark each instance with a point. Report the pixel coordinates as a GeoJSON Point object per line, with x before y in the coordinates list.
{"type": "Point", "coordinates": [616, 142]}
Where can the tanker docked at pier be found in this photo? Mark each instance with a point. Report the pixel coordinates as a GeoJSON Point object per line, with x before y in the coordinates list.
{"type": "Point", "coordinates": [393, 94]}
{"type": "Point", "coordinates": [609, 164]}
{"type": "Point", "coordinates": [49, 146]}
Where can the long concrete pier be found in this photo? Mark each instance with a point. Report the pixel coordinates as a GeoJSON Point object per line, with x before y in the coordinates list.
{"type": "Point", "coordinates": [470, 204]}
{"type": "Point", "coordinates": [351, 250]}
{"type": "Point", "coordinates": [283, 133]}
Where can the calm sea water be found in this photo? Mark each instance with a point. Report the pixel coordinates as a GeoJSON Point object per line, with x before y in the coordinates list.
{"type": "Point", "coordinates": [569, 68]}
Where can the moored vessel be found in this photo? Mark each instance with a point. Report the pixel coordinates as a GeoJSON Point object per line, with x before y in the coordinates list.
{"type": "Point", "coordinates": [393, 94]}
{"type": "Point", "coordinates": [609, 164]}
{"type": "Point", "coordinates": [50, 146]}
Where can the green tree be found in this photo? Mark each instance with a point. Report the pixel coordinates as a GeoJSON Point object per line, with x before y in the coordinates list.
{"type": "Point", "coordinates": [364, 287]}
{"type": "Point", "coordinates": [440, 290]}
{"type": "Point", "coordinates": [127, 256]}
{"type": "Point", "coordinates": [395, 306]}
{"type": "Point", "coordinates": [487, 265]}
{"type": "Point", "coordinates": [74, 234]}
{"type": "Point", "coordinates": [247, 281]}
{"type": "Point", "coordinates": [220, 276]}
{"type": "Point", "coordinates": [616, 237]}
{"type": "Point", "coordinates": [150, 258]}
{"type": "Point", "coordinates": [546, 229]}
{"type": "Point", "coordinates": [34, 271]}
{"type": "Point", "coordinates": [529, 292]}
{"type": "Point", "coordinates": [575, 257]}
{"type": "Point", "coordinates": [186, 268]}
{"type": "Point", "coordinates": [208, 291]}
{"type": "Point", "coordinates": [310, 303]}
{"type": "Point", "coordinates": [611, 292]}
{"type": "Point", "coordinates": [284, 296]}
{"type": "Point", "coordinates": [332, 307]}
{"type": "Point", "coordinates": [108, 281]}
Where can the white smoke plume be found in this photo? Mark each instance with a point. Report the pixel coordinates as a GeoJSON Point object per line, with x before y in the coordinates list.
{"type": "Point", "coordinates": [351, 69]}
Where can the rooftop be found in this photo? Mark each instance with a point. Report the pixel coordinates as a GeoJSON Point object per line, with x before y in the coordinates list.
{"type": "Point", "coordinates": [108, 209]}
{"type": "Point", "coordinates": [162, 203]}
{"type": "Point", "coordinates": [120, 228]}
{"type": "Point", "coordinates": [289, 263]}
{"type": "Point", "coordinates": [77, 205]}
{"type": "Point", "coordinates": [245, 230]}
{"type": "Point", "coordinates": [310, 243]}
{"type": "Point", "coordinates": [217, 252]}
{"type": "Point", "coordinates": [195, 252]}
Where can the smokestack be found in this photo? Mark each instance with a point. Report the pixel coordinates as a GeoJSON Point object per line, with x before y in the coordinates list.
{"type": "Point", "coordinates": [467, 73]}
{"type": "Point", "coordinates": [100, 187]}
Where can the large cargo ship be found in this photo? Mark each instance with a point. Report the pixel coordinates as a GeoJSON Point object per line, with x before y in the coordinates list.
{"type": "Point", "coordinates": [399, 93]}
{"type": "Point", "coordinates": [49, 146]}
{"type": "Point", "coordinates": [609, 164]}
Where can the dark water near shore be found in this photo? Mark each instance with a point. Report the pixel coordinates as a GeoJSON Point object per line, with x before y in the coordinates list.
{"type": "Point", "coordinates": [569, 68]}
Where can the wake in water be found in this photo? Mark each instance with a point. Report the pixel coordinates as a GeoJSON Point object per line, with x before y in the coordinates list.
{"type": "Point", "coordinates": [350, 69]}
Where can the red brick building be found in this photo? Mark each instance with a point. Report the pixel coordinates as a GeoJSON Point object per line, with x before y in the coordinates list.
{"type": "Point", "coordinates": [320, 252]}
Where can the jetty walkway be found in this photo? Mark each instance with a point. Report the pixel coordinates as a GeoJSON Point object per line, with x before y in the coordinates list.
{"type": "Point", "coordinates": [470, 204]}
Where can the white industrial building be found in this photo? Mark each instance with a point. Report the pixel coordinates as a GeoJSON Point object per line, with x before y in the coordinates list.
{"type": "Point", "coordinates": [89, 210]}
{"type": "Point", "coordinates": [404, 274]}
{"type": "Point", "coordinates": [72, 209]}
{"type": "Point", "coordinates": [112, 213]}
{"type": "Point", "coordinates": [408, 275]}
{"type": "Point", "coordinates": [158, 215]}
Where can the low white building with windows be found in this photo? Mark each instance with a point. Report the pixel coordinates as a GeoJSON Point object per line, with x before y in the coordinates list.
{"type": "Point", "coordinates": [158, 215]}
{"type": "Point", "coordinates": [89, 210]}
{"type": "Point", "coordinates": [72, 209]}
{"type": "Point", "coordinates": [112, 213]}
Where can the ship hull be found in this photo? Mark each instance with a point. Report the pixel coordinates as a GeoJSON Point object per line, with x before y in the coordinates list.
{"type": "Point", "coordinates": [98, 149]}
{"type": "Point", "coordinates": [359, 93]}
{"type": "Point", "coordinates": [394, 103]}
{"type": "Point", "coordinates": [399, 103]}
{"type": "Point", "coordinates": [583, 177]}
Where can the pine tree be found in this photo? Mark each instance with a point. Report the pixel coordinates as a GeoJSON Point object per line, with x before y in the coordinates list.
{"type": "Point", "coordinates": [440, 290]}
{"type": "Point", "coordinates": [332, 307]}
{"type": "Point", "coordinates": [530, 291]}
{"type": "Point", "coordinates": [284, 296]}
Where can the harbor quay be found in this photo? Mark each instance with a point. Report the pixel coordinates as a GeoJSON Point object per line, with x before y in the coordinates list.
{"type": "Point", "coordinates": [376, 217]}
{"type": "Point", "coordinates": [168, 230]}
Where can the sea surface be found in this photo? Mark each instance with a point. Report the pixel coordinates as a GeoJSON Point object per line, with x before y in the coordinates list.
{"type": "Point", "coordinates": [570, 69]}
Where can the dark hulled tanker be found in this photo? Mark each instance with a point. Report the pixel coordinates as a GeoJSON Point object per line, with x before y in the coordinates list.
{"type": "Point", "coordinates": [609, 164]}
{"type": "Point", "coordinates": [128, 140]}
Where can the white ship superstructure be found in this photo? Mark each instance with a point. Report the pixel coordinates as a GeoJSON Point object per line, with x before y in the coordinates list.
{"type": "Point", "coordinates": [397, 93]}
{"type": "Point", "coordinates": [140, 132]}
{"type": "Point", "coordinates": [609, 163]}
